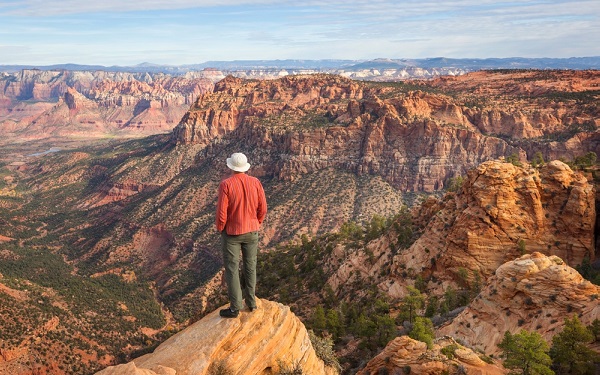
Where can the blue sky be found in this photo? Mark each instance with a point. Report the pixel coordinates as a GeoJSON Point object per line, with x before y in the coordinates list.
{"type": "Point", "coordinates": [177, 32]}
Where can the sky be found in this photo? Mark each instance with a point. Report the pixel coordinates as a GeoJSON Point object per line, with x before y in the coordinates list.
{"type": "Point", "coordinates": [179, 32]}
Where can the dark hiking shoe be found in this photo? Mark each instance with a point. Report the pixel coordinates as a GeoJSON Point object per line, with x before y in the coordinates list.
{"type": "Point", "coordinates": [252, 308]}
{"type": "Point", "coordinates": [229, 313]}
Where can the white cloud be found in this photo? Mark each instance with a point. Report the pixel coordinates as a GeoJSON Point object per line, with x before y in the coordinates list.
{"type": "Point", "coordinates": [58, 7]}
{"type": "Point", "coordinates": [191, 31]}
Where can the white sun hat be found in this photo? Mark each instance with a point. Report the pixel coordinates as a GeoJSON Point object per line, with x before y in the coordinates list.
{"type": "Point", "coordinates": [238, 162]}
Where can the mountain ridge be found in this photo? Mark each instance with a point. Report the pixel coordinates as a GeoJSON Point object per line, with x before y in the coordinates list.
{"type": "Point", "coordinates": [336, 66]}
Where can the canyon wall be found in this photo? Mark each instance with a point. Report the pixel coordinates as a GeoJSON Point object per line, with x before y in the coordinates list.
{"type": "Point", "coordinates": [416, 139]}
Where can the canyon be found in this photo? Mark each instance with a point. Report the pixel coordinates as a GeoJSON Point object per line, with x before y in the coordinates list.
{"type": "Point", "coordinates": [463, 169]}
{"type": "Point", "coordinates": [64, 105]}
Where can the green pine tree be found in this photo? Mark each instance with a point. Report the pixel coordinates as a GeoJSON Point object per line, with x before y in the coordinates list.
{"type": "Point", "coordinates": [334, 325]}
{"type": "Point", "coordinates": [423, 331]}
{"type": "Point", "coordinates": [595, 329]}
{"type": "Point", "coordinates": [569, 351]}
{"type": "Point", "coordinates": [412, 303]}
{"type": "Point", "coordinates": [420, 283]}
{"type": "Point", "coordinates": [526, 353]}
{"type": "Point", "coordinates": [450, 298]}
{"type": "Point", "coordinates": [432, 306]}
{"type": "Point", "coordinates": [386, 329]}
{"type": "Point", "coordinates": [319, 322]}
{"type": "Point", "coordinates": [538, 160]}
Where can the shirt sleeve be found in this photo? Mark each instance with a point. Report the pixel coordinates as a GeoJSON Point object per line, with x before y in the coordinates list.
{"type": "Point", "coordinates": [222, 202]}
{"type": "Point", "coordinates": [261, 210]}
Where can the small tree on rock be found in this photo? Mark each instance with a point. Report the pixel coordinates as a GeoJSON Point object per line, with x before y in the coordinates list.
{"type": "Point", "coordinates": [526, 353]}
{"type": "Point", "coordinates": [411, 304]}
{"type": "Point", "coordinates": [423, 331]}
{"type": "Point", "coordinates": [319, 321]}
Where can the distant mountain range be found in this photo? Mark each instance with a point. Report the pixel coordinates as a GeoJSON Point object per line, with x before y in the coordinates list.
{"type": "Point", "coordinates": [466, 64]}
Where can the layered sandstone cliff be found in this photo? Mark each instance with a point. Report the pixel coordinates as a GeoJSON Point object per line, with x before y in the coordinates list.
{"type": "Point", "coordinates": [258, 342]}
{"type": "Point", "coordinates": [534, 292]}
{"type": "Point", "coordinates": [415, 139]}
{"type": "Point", "coordinates": [554, 111]}
{"type": "Point", "coordinates": [405, 355]}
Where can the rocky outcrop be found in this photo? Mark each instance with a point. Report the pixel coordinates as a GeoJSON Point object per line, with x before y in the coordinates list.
{"type": "Point", "coordinates": [555, 108]}
{"type": "Point", "coordinates": [534, 292]}
{"type": "Point", "coordinates": [257, 342]}
{"type": "Point", "coordinates": [405, 355]}
{"type": "Point", "coordinates": [235, 102]}
{"type": "Point", "coordinates": [109, 193]}
{"type": "Point", "coordinates": [406, 138]}
{"type": "Point", "coordinates": [501, 212]}
{"type": "Point", "coordinates": [52, 84]}
{"type": "Point", "coordinates": [76, 101]}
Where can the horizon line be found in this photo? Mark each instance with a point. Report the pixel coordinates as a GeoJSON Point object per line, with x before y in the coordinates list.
{"type": "Point", "coordinates": [141, 64]}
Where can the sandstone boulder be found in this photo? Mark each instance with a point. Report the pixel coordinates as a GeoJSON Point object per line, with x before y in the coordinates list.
{"type": "Point", "coordinates": [534, 292]}
{"type": "Point", "coordinates": [404, 353]}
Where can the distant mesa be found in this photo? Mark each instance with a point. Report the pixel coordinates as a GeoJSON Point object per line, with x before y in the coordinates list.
{"type": "Point", "coordinates": [36, 104]}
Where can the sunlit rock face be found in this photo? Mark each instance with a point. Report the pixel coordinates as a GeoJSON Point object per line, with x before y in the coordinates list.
{"type": "Point", "coordinates": [403, 353]}
{"type": "Point", "coordinates": [257, 342]}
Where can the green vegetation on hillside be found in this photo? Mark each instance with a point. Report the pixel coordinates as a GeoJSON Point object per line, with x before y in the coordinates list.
{"type": "Point", "coordinates": [583, 97]}
{"type": "Point", "coordinates": [588, 272]}
{"type": "Point", "coordinates": [361, 312]}
{"type": "Point", "coordinates": [400, 87]}
{"type": "Point", "coordinates": [568, 132]}
{"type": "Point", "coordinates": [107, 308]}
{"type": "Point", "coordinates": [570, 352]}
{"type": "Point", "coordinates": [529, 354]}
{"type": "Point", "coordinates": [526, 353]}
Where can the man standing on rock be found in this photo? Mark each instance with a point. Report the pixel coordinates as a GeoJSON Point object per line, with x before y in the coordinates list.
{"type": "Point", "coordinates": [241, 208]}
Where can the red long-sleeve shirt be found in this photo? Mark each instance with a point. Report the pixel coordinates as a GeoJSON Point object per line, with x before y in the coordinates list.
{"type": "Point", "coordinates": [241, 206]}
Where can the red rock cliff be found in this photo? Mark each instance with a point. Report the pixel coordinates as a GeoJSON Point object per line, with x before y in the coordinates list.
{"type": "Point", "coordinates": [143, 103]}
{"type": "Point", "coordinates": [303, 124]}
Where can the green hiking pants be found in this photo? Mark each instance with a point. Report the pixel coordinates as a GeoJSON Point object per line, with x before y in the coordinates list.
{"type": "Point", "coordinates": [247, 245]}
